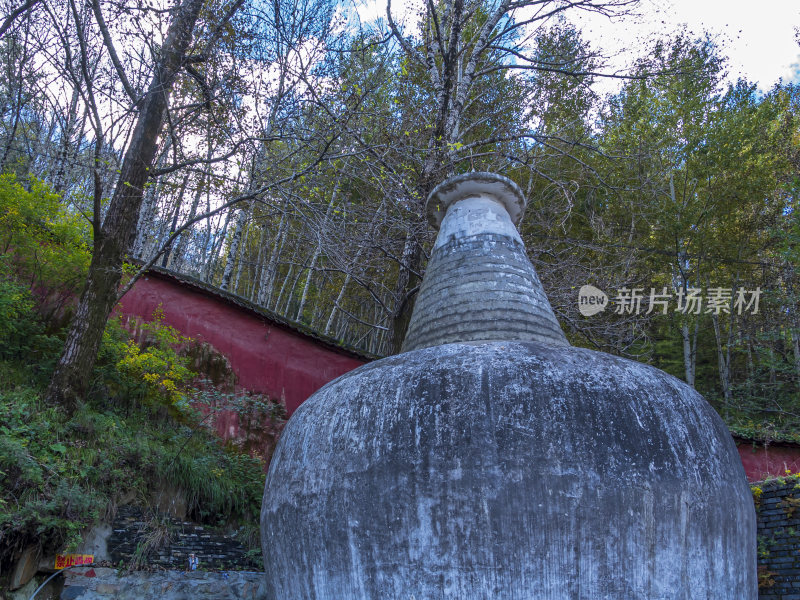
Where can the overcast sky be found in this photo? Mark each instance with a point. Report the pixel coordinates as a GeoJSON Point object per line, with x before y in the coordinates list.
{"type": "Point", "coordinates": [757, 36]}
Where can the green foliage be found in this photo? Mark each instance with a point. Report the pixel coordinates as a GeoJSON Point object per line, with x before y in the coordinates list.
{"type": "Point", "coordinates": [42, 496]}
{"type": "Point", "coordinates": [49, 242]}
{"type": "Point", "coordinates": [58, 474]}
{"type": "Point", "coordinates": [17, 320]}
{"type": "Point", "coordinates": [158, 532]}
{"type": "Point", "coordinates": [699, 193]}
{"type": "Point", "coordinates": [22, 329]}
{"type": "Point", "coordinates": [155, 372]}
{"type": "Point", "coordinates": [765, 431]}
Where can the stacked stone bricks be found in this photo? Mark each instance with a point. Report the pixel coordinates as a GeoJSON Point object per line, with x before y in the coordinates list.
{"type": "Point", "coordinates": [213, 550]}
{"type": "Point", "coordinates": [778, 514]}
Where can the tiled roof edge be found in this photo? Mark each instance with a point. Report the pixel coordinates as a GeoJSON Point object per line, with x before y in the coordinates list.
{"type": "Point", "coordinates": [776, 440]}
{"type": "Point", "coordinates": [241, 302]}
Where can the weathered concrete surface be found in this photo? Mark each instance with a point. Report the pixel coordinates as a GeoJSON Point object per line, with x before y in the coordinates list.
{"type": "Point", "coordinates": [475, 185]}
{"type": "Point", "coordinates": [507, 470]}
{"type": "Point", "coordinates": [482, 288]}
{"type": "Point", "coordinates": [95, 542]}
{"type": "Point", "coordinates": [105, 583]}
{"type": "Point", "coordinates": [474, 216]}
{"type": "Point", "coordinates": [479, 284]}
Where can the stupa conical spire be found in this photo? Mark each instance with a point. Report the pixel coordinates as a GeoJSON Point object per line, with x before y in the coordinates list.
{"type": "Point", "coordinates": [479, 284]}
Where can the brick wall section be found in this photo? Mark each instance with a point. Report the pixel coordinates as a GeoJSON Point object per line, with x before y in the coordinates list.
{"type": "Point", "coordinates": [108, 584]}
{"type": "Point", "coordinates": [213, 549]}
{"type": "Point", "coordinates": [778, 513]}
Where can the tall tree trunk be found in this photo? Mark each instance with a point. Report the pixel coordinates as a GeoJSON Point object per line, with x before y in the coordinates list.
{"type": "Point", "coordinates": [72, 157]}
{"type": "Point", "coordinates": [256, 268]}
{"type": "Point", "coordinates": [233, 249]}
{"type": "Point", "coordinates": [286, 279]}
{"type": "Point", "coordinates": [67, 132]}
{"type": "Point", "coordinates": [271, 266]}
{"type": "Point", "coordinates": [433, 172]}
{"type": "Point", "coordinates": [313, 264]}
{"type": "Point", "coordinates": [290, 276]}
{"type": "Point", "coordinates": [352, 266]}
{"type": "Point", "coordinates": [242, 249]}
{"type": "Point", "coordinates": [796, 350]}
{"type": "Point", "coordinates": [179, 256]}
{"type": "Point", "coordinates": [680, 281]}
{"type": "Point", "coordinates": [216, 246]}
{"type": "Point", "coordinates": [335, 308]}
{"type": "Point", "coordinates": [148, 209]}
{"type": "Point", "coordinates": [291, 296]}
{"type": "Point", "coordinates": [71, 377]}
{"type": "Point", "coordinates": [206, 248]}
{"type": "Point", "coordinates": [723, 361]}
{"type": "Point", "coordinates": [406, 283]}
{"type": "Point", "coordinates": [310, 272]}
{"type": "Point", "coordinates": [19, 99]}
{"type": "Point", "coordinates": [689, 351]}
{"type": "Point", "coordinates": [173, 221]}
{"type": "Point", "coordinates": [794, 332]}
{"type": "Point", "coordinates": [724, 351]}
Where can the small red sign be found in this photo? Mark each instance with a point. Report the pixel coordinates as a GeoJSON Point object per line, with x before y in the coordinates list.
{"type": "Point", "coordinates": [73, 560]}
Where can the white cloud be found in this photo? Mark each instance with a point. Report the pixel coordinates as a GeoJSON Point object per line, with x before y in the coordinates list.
{"type": "Point", "coordinates": [758, 38]}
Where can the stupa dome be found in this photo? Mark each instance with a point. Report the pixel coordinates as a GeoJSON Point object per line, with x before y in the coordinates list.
{"type": "Point", "coordinates": [492, 468]}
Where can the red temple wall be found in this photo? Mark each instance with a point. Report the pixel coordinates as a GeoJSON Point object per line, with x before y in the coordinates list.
{"type": "Point", "coordinates": [267, 357]}
{"type": "Point", "coordinates": [772, 460]}
{"type": "Point", "coordinates": [275, 360]}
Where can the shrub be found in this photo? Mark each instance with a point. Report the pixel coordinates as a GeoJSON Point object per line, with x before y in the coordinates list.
{"type": "Point", "coordinates": [18, 323]}
{"type": "Point", "coordinates": [21, 328]}
{"type": "Point", "coordinates": [151, 372]}
{"type": "Point", "coordinates": [49, 242]}
{"type": "Point", "coordinates": [59, 474]}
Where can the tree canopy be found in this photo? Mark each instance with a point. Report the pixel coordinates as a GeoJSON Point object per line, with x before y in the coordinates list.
{"type": "Point", "coordinates": [283, 151]}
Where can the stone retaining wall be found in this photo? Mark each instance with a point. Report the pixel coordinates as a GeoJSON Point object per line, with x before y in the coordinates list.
{"type": "Point", "coordinates": [105, 583]}
{"type": "Point", "coordinates": [132, 531]}
{"type": "Point", "coordinates": [778, 512]}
